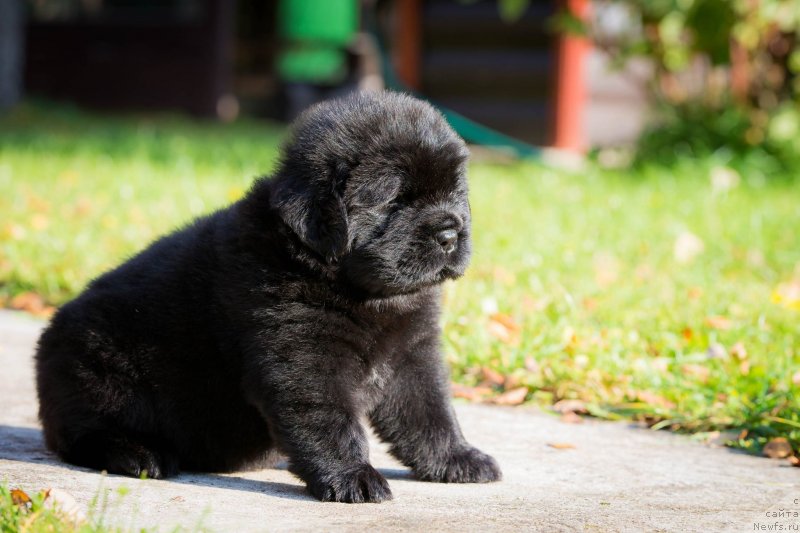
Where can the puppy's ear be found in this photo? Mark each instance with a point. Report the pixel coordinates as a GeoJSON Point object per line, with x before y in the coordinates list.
{"type": "Point", "coordinates": [315, 209]}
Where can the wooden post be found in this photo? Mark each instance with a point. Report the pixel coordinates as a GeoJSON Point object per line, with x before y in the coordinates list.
{"type": "Point", "coordinates": [570, 97]}
{"type": "Point", "coordinates": [12, 42]}
{"type": "Point", "coordinates": [407, 42]}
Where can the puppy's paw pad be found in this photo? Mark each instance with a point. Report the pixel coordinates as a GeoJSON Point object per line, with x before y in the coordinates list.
{"type": "Point", "coordinates": [469, 465]}
{"type": "Point", "coordinates": [362, 484]}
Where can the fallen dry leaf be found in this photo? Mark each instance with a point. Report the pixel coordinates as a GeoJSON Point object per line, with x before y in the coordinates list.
{"type": "Point", "coordinates": [695, 293]}
{"type": "Point", "coordinates": [571, 418]}
{"type": "Point", "coordinates": [504, 328]}
{"type": "Point", "coordinates": [794, 461]}
{"type": "Point", "coordinates": [778, 448]}
{"type": "Point", "coordinates": [492, 377]}
{"type": "Point", "coordinates": [14, 232]}
{"type": "Point", "coordinates": [533, 305]}
{"type": "Point", "coordinates": [720, 438]}
{"type": "Point", "coordinates": [744, 368]}
{"type": "Point", "coordinates": [590, 304]}
{"type": "Point", "coordinates": [83, 206]}
{"type": "Point", "coordinates": [503, 276]}
{"type": "Point", "coordinates": [65, 502]}
{"type": "Point", "coordinates": [718, 322]}
{"type": "Point", "coordinates": [473, 394]}
{"type": "Point", "coordinates": [511, 397]}
{"type": "Point", "coordinates": [30, 302]}
{"type": "Point", "coordinates": [739, 351]}
{"type": "Point", "coordinates": [700, 372]}
{"type": "Point", "coordinates": [507, 321]}
{"type": "Point", "coordinates": [654, 399]}
{"type": "Point", "coordinates": [756, 258]}
{"type": "Point", "coordinates": [20, 497]}
{"type": "Point", "coordinates": [561, 445]}
{"type": "Point", "coordinates": [39, 222]}
{"type": "Point", "coordinates": [569, 406]}
{"type": "Point", "coordinates": [512, 381]}
{"type": "Point", "coordinates": [531, 365]}
{"type": "Point", "coordinates": [36, 203]}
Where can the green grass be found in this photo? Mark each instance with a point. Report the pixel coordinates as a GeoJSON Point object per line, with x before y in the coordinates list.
{"type": "Point", "coordinates": [49, 511]}
{"type": "Point", "coordinates": [40, 512]}
{"type": "Point", "coordinates": [20, 512]}
{"type": "Point", "coordinates": [575, 290]}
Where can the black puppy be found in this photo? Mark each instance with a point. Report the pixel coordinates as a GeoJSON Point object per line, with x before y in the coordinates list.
{"type": "Point", "coordinates": [279, 322]}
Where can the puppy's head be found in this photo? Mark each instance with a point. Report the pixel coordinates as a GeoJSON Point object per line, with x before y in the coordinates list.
{"type": "Point", "coordinates": [375, 183]}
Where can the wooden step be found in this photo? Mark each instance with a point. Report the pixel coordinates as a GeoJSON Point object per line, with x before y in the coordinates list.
{"type": "Point", "coordinates": [451, 23]}
{"type": "Point", "coordinates": [492, 73]}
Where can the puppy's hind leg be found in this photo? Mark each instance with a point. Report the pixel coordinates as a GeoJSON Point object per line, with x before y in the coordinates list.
{"type": "Point", "coordinates": [120, 453]}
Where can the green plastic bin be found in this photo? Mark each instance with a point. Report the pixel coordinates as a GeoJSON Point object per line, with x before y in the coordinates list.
{"type": "Point", "coordinates": [316, 33]}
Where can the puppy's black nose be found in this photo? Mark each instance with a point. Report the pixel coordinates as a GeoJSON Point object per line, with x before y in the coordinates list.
{"type": "Point", "coordinates": [447, 239]}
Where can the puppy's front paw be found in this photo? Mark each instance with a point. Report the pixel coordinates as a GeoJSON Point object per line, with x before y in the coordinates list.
{"type": "Point", "coordinates": [362, 484]}
{"type": "Point", "coordinates": [466, 465]}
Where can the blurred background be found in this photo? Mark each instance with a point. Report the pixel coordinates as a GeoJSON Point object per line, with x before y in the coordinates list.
{"type": "Point", "coordinates": [494, 62]}
{"type": "Point", "coordinates": [634, 176]}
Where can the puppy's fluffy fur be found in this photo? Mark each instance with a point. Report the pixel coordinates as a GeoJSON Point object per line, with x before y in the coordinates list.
{"type": "Point", "coordinates": [280, 322]}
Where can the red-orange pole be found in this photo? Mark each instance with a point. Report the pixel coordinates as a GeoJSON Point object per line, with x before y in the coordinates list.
{"type": "Point", "coordinates": [570, 98]}
{"type": "Point", "coordinates": [408, 41]}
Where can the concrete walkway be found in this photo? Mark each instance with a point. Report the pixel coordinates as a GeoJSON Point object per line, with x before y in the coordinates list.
{"type": "Point", "coordinates": [617, 478]}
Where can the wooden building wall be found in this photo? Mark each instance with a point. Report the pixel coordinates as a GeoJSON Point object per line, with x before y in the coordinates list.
{"type": "Point", "coordinates": [499, 73]}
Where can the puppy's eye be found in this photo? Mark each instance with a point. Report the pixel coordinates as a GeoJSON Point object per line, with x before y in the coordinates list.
{"type": "Point", "coordinates": [405, 197]}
